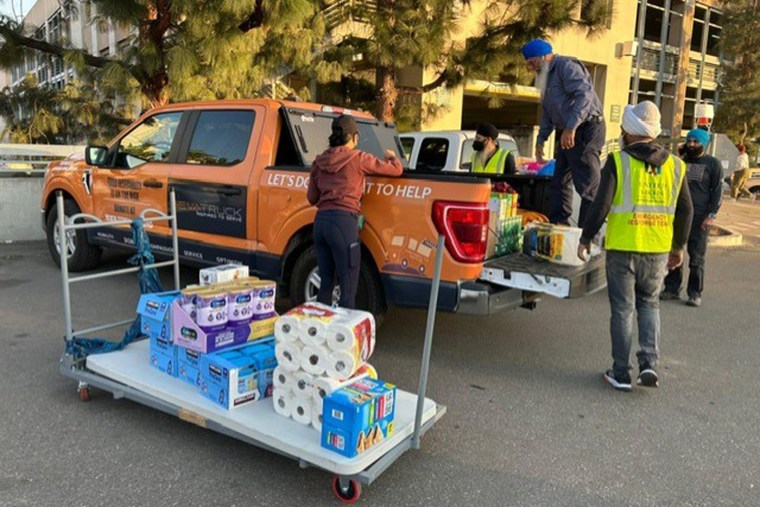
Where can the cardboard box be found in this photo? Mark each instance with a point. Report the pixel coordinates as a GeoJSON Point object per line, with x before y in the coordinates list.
{"type": "Point", "coordinates": [155, 314]}
{"type": "Point", "coordinates": [358, 416]}
{"type": "Point", "coordinates": [262, 328]}
{"type": "Point", "coordinates": [223, 273]}
{"type": "Point", "coordinates": [163, 356]}
{"type": "Point", "coordinates": [234, 377]}
{"type": "Point", "coordinates": [189, 365]}
{"type": "Point", "coordinates": [186, 333]}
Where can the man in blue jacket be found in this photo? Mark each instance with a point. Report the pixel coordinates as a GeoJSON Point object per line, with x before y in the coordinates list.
{"type": "Point", "coordinates": [572, 108]}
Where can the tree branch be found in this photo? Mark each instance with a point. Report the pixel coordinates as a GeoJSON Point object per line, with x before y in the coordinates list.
{"type": "Point", "coordinates": [256, 18]}
{"type": "Point", "coordinates": [52, 49]}
{"type": "Point", "coordinates": [441, 80]}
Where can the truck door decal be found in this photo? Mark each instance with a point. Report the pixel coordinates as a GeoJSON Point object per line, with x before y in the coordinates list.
{"type": "Point", "coordinates": [210, 208]}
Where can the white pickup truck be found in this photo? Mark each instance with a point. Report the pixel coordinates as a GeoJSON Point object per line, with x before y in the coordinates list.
{"type": "Point", "coordinates": [450, 151]}
{"type": "Point", "coordinates": [446, 150]}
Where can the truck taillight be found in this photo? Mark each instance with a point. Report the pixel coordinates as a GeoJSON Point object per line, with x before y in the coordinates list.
{"type": "Point", "coordinates": [465, 227]}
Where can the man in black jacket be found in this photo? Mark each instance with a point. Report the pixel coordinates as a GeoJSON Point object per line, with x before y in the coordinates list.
{"type": "Point", "coordinates": [705, 178]}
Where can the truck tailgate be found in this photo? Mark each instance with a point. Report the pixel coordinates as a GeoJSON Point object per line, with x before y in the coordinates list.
{"type": "Point", "coordinates": [520, 271]}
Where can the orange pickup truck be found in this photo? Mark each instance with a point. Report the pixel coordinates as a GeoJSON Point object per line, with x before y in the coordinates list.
{"type": "Point", "coordinates": [240, 172]}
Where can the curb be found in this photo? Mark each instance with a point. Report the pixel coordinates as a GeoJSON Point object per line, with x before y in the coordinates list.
{"type": "Point", "coordinates": [725, 237]}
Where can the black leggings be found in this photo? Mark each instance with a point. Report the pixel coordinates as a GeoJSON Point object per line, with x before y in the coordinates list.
{"type": "Point", "coordinates": [336, 238]}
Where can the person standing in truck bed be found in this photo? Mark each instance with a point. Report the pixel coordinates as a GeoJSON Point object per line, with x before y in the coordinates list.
{"type": "Point", "coordinates": [336, 185]}
{"type": "Point", "coordinates": [572, 108]}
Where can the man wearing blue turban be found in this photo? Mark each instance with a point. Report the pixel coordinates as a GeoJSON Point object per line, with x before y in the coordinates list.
{"type": "Point", "coordinates": [705, 178]}
{"type": "Point", "coordinates": [572, 108]}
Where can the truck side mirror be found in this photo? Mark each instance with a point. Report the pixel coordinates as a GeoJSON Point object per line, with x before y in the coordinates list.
{"type": "Point", "coordinates": [95, 155]}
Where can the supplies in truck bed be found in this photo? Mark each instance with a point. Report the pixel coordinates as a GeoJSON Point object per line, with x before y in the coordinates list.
{"type": "Point", "coordinates": [504, 225]}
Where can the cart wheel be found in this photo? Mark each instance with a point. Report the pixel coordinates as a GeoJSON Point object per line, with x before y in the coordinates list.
{"type": "Point", "coordinates": [84, 393]}
{"type": "Point", "coordinates": [351, 495]}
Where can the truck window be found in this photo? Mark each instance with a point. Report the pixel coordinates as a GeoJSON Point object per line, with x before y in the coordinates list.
{"type": "Point", "coordinates": [466, 161]}
{"type": "Point", "coordinates": [151, 141]}
{"type": "Point", "coordinates": [221, 137]}
{"type": "Point", "coordinates": [311, 130]}
{"type": "Point", "coordinates": [408, 144]}
{"type": "Point", "coordinates": [433, 153]}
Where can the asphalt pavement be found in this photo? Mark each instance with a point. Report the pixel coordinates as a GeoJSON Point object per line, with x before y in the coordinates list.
{"type": "Point", "coordinates": [529, 420]}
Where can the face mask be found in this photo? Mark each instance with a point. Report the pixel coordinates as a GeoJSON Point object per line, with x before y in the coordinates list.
{"type": "Point", "coordinates": [694, 151]}
{"type": "Point", "coordinates": [621, 142]}
{"type": "Point", "coordinates": [478, 145]}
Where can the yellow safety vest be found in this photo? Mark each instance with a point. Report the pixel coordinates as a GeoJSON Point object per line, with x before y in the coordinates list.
{"type": "Point", "coordinates": [495, 164]}
{"type": "Point", "coordinates": [644, 205]}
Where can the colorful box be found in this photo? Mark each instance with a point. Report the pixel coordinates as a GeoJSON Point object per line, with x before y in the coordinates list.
{"type": "Point", "coordinates": [155, 314]}
{"type": "Point", "coordinates": [189, 365]}
{"type": "Point", "coordinates": [186, 333]}
{"type": "Point", "coordinates": [163, 356]}
{"type": "Point", "coordinates": [234, 377]}
{"type": "Point", "coordinates": [358, 416]}
{"type": "Point", "coordinates": [223, 273]}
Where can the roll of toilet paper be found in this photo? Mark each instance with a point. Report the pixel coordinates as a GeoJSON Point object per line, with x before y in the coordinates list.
{"type": "Point", "coordinates": [287, 329]}
{"type": "Point", "coordinates": [303, 384]}
{"type": "Point", "coordinates": [302, 410]}
{"type": "Point", "coordinates": [314, 359]}
{"type": "Point", "coordinates": [316, 420]}
{"type": "Point", "coordinates": [283, 403]}
{"type": "Point", "coordinates": [353, 332]}
{"type": "Point", "coordinates": [288, 356]}
{"type": "Point", "coordinates": [342, 365]}
{"type": "Point", "coordinates": [283, 380]}
{"type": "Point", "coordinates": [324, 386]}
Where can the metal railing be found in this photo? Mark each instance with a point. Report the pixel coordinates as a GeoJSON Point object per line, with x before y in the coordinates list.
{"type": "Point", "coordinates": [68, 225]}
{"type": "Point", "coordinates": [32, 158]}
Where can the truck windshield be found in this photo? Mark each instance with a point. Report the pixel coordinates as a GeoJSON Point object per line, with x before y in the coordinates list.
{"type": "Point", "coordinates": [310, 131]}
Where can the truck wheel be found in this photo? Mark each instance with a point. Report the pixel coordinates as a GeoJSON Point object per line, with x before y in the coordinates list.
{"type": "Point", "coordinates": [81, 254]}
{"type": "Point", "coordinates": [305, 282]}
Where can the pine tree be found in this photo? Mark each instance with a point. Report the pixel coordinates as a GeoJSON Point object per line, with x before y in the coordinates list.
{"type": "Point", "coordinates": [187, 49]}
{"type": "Point", "coordinates": [423, 33]}
{"type": "Point", "coordinates": [738, 113]}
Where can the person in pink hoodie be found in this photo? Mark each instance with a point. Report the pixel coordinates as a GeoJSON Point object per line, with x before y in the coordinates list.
{"type": "Point", "coordinates": [336, 185]}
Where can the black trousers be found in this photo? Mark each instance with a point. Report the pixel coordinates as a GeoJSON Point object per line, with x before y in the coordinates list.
{"type": "Point", "coordinates": [336, 238]}
{"type": "Point", "coordinates": [580, 165]}
{"type": "Point", "coordinates": [697, 249]}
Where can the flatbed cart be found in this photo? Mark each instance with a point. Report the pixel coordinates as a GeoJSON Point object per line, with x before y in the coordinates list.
{"type": "Point", "coordinates": [127, 374]}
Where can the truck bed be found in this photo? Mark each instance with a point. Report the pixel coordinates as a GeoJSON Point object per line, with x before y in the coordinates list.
{"type": "Point", "coordinates": [520, 271]}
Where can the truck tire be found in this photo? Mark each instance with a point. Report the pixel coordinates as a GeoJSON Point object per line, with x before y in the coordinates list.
{"type": "Point", "coordinates": [82, 255]}
{"type": "Point", "coordinates": [304, 285]}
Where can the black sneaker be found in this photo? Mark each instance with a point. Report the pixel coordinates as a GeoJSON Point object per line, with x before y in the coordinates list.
{"type": "Point", "coordinates": [621, 382]}
{"type": "Point", "coordinates": [694, 301]}
{"type": "Point", "coordinates": [647, 376]}
{"type": "Point", "coordinates": [666, 295]}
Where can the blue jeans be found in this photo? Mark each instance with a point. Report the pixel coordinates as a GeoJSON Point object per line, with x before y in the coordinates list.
{"type": "Point", "coordinates": [634, 282]}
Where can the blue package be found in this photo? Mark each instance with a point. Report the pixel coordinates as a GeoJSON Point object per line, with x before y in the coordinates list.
{"type": "Point", "coordinates": [358, 416]}
{"type": "Point", "coordinates": [155, 314]}
{"type": "Point", "coordinates": [232, 377]}
{"type": "Point", "coordinates": [163, 356]}
{"type": "Point", "coordinates": [189, 365]}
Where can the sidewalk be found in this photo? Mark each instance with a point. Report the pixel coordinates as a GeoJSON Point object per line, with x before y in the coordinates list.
{"type": "Point", "coordinates": [742, 217]}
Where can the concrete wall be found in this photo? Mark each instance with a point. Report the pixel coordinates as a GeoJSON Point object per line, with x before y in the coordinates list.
{"type": "Point", "coordinates": [20, 207]}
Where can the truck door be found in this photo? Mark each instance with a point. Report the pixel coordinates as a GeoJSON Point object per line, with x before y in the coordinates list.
{"type": "Point", "coordinates": [137, 177]}
{"type": "Point", "coordinates": [216, 196]}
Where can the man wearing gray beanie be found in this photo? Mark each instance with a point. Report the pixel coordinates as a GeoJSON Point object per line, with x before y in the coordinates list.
{"type": "Point", "coordinates": [644, 196]}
